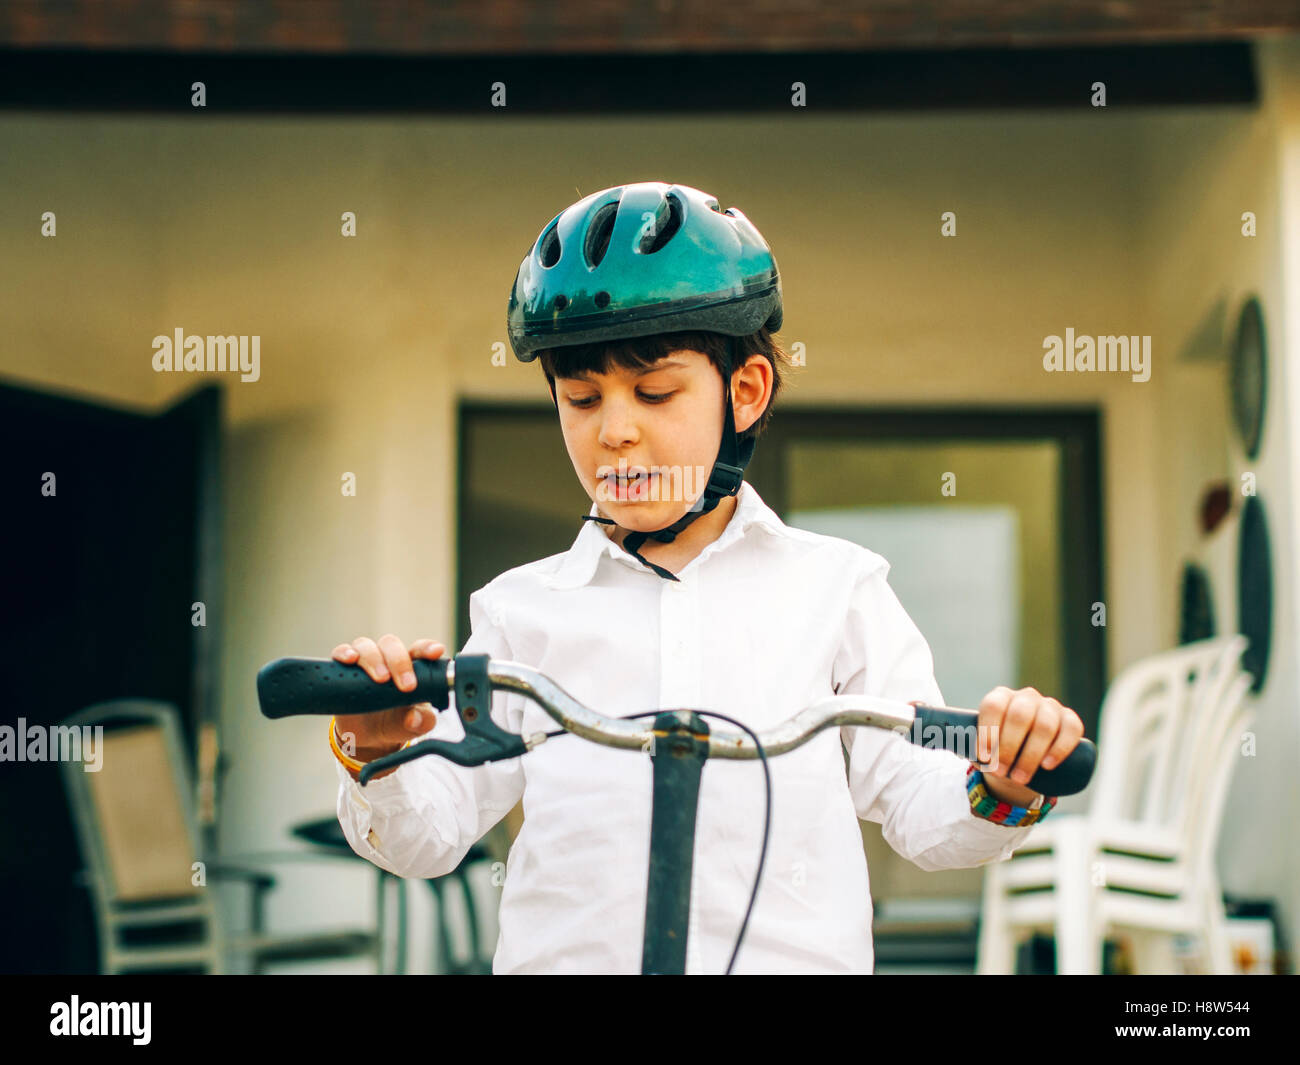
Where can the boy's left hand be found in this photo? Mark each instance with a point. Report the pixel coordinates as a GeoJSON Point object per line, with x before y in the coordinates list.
{"type": "Point", "coordinates": [1009, 719]}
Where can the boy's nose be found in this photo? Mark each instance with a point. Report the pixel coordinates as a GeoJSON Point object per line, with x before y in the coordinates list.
{"type": "Point", "coordinates": [617, 425]}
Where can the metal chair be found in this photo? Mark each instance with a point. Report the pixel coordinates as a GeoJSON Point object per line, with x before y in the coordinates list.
{"type": "Point", "coordinates": [477, 962]}
{"type": "Point", "coordinates": [135, 821]}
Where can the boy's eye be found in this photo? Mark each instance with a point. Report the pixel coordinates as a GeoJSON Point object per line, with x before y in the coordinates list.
{"type": "Point", "coordinates": [649, 397]}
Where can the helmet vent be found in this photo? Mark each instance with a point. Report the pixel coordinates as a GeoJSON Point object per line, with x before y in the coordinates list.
{"type": "Point", "coordinates": [670, 227]}
{"type": "Point", "coordinates": [602, 299]}
{"type": "Point", "coordinates": [602, 225]}
{"type": "Point", "coordinates": [561, 301]}
{"type": "Point", "coordinates": [550, 250]}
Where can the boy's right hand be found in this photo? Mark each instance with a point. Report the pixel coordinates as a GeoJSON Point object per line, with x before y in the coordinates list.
{"type": "Point", "coordinates": [374, 735]}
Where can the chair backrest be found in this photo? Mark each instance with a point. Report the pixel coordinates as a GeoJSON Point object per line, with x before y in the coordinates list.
{"type": "Point", "coordinates": [1210, 792]}
{"type": "Point", "coordinates": [1164, 724]}
{"type": "Point", "coordinates": [135, 815]}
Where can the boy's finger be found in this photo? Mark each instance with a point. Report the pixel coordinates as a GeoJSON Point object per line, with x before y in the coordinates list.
{"type": "Point", "coordinates": [419, 718]}
{"type": "Point", "coordinates": [371, 659]}
{"type": "Point", "coordinates": [1016, 724]}
{"type": "Point", "coordinates": [398, 661]}
{"type": "Point", "coordinates": [1066, 739]}
{"type": "Point", "coordinates": [1042, 734]}
{"type": "Point", "coordinates": [992, 709]}
{"type": "Point", "coordinates": [427, 649]}
{"type": "Point", "coordinates": [344, 652]}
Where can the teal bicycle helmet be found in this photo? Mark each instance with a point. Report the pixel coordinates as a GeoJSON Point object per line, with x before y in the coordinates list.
{"type": "Point", "coordinates": [646, 258]}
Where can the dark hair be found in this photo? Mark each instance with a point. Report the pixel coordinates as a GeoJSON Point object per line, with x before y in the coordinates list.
{"type": "Point", "coordinates": [639, 352]}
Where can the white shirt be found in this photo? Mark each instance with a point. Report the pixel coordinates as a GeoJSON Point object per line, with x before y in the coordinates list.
{"type": "Point", "coordinates": [764, 621]}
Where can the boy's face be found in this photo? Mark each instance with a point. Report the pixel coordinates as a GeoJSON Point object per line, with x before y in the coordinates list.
{"type": "Point", "coordinates": [660, 427]}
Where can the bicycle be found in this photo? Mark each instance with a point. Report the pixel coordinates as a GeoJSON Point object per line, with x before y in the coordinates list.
{"type": "Point", "coordinates": [290, 687]}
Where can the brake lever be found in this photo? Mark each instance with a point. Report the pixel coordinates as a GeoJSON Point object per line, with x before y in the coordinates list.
{"type": "Point", "coordinates": [485, 741]}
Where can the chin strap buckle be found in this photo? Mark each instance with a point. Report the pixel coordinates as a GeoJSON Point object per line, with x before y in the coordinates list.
{"type": "Point", "coordinates": [726, 479]}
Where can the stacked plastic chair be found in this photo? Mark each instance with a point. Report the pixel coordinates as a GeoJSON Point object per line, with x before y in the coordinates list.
{"type": "Point", "coordinates": [1140, 862]}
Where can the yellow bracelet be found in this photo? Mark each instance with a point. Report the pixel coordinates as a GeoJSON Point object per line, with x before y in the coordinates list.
{"type": "Point", "coordinates": [350, 763]}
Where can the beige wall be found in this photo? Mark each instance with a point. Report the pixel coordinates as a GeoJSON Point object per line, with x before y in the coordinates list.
{"type": "Point", "coordinates": [1209, 170]}
{"type": "Point", "coordinates": [1107, 222]}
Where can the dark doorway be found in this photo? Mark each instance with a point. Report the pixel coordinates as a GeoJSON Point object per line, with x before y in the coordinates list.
{"type": "Point", "coordinates": [111, 535]}
{"type": "Point", "coordinates": [1039, 469]}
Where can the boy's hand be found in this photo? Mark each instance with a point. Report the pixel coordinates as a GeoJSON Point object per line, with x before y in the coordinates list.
{"type": "Point", "coordinates": [374, 735]}
{"type": "Point", "coordinates": [1009, 719]}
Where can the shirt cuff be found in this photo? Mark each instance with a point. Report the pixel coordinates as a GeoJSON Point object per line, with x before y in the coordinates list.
{"type": "Point", "coordinates": [387, 793]}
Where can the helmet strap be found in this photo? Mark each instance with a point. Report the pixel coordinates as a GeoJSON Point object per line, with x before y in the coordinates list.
{"type": "Point", "coordinates": [725, 478]}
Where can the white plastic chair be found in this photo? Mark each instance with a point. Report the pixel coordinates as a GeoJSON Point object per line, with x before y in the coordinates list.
{"type": "Point", "coordinates": [1142, 858]}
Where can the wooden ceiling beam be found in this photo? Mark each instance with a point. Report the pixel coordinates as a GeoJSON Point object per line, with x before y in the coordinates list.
{"type": "Point", "coordinates": [600, 27]}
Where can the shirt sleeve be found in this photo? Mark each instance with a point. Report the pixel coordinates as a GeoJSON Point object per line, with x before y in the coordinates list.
{"type": "Point", "coordinates": [421, 820]}
{"type": "Point", "coordinates": [916, 794]}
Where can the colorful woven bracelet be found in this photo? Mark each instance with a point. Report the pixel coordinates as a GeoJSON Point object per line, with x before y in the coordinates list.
{"type": "Point", "coordinates": [990, 808]}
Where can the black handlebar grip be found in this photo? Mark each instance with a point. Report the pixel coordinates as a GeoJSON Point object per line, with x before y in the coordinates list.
{"type": "Point", "coordinates": [958, 736]}
{"type": "Point", "coordinates": [293, 686]}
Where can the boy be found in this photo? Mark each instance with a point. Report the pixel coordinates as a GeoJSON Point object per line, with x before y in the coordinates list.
{"type": "Point", "coordinates": [652, 312]}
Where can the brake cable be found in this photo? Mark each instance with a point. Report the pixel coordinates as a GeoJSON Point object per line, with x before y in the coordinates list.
{"type": "Point", "coordinates": [767, 810]}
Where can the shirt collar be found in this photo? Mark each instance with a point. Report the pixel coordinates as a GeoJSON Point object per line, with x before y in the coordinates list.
{"type": "Point", "coordinates": [578, 565]}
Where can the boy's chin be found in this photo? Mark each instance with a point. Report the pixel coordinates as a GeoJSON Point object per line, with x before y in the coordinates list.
{"type": "Point", "coordinates": [642, 516]}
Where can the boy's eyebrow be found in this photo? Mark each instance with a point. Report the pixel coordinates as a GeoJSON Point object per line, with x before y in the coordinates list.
{"type": "Point", "coordinates": [586, 375]}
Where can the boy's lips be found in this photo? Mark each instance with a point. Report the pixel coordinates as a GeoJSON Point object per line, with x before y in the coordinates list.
{"type": "Point", "coordinates": [634, 484]}
{"type": "Point", "coordinates": [624, 470]}
{"type": "Point", "coordinates": [632, 475]}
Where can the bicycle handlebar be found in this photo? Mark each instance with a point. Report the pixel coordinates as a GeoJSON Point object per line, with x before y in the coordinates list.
{"type": "Point", "coordinates": [290, 687]}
